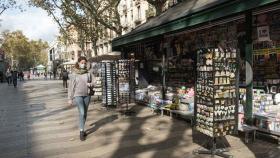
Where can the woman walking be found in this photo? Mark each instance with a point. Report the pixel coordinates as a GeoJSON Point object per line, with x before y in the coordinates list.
{"type": "Point", "coordinates": [9, 76]}
{"type": "Point", "coordinates": [80, 82]}
{"type": "Point", "coordinates": [14, 77]}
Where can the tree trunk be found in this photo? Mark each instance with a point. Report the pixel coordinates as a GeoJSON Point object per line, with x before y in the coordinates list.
{"type": "Point", "coordinates": [94, 48]}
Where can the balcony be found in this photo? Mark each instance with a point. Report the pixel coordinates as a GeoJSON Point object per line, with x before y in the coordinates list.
{"type": "Point", "coordinates": [137, 21]}
{"type": "Point", "coordinates": [137, 2]}
{"type": "Point", "coordinates": [124, 9]}
{"type": "Point", "coordinates": [125, 26]}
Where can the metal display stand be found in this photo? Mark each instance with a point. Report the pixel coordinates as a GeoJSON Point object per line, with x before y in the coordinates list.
{"type": "Point", "coordinates": [216, 96]}
{"type": "Point", "coordinates": [109, 91]}
{"type": "Point", "coordinates": [214, 151]}
{"type": "Point", "coordinates": [126, 84]}
{"type": "Point", "coordinates": [96, 70]}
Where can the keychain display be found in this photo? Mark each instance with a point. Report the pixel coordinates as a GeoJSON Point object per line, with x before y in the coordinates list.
{"type": "Point", "coordinates": [216, 91]}
{"type": "Point", "coordinates": [96, 71]}
{"type": "Point", "coordinates": [126, 81]}
{"type": "Point", "coordinates": [109, 91]}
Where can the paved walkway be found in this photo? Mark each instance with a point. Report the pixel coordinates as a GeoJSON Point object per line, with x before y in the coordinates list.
{"type": "Point", "coordinates": [36, 122]}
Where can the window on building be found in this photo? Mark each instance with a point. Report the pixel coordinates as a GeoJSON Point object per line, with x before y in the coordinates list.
{"type": "Point", "coordinates": [139, 12]}
{"type": "Point", "coordinates": [110, 47]}
{"type": "Point", "coordinates": [131, 15]}
{"type": "Point", "coordinates": [51, 55]}
{"type": "Point", "coordinates": [105, 49]}
{"type": "Point", "coordinates": [73, 55]}
{"type": "Point", "coordinates": [125, 19]}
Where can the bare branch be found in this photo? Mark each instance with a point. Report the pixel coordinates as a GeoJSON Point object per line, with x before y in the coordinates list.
{"type": "Point", "coordinates": [3, 10]}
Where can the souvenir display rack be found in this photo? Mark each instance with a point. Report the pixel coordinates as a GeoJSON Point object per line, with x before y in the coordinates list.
{"type": "Point", "coordinates": [109, 91]}
{"type": "Point", "coordinates": [216, 94]}
{"type": "Point", "coordinates": [126, 81]}
{"type": "Point", "coordinates": [96, 67]}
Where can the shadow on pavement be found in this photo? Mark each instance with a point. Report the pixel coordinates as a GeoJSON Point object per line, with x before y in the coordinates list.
{"type": "Point", "coordinates": [205, 141]}
{"type": "Point", "coordinates": [96, 125]}
{"type": "Point", "coordinates": [132, 145]}
{"type": "Point", "coordinates": [54, 112]}
{"type": "Point", "coordinates": [263, 147]}
{"type": "Point", "coordinates": [260, 148]}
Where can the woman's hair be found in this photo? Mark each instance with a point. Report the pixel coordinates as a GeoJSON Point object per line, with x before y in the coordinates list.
{"type": "Point", "coordinates": [80, 59]}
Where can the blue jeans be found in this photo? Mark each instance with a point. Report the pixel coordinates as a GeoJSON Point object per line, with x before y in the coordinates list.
{"type": "Point", "coordinates": [15, 82]}
{"type": "Point", "coordinates": [82, 104]}
{"type": "Point", "coordinates": [9, 80]}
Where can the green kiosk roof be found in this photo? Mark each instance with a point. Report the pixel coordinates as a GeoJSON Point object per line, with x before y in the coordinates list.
{"type": "Point", "coordinates": [187, 14]}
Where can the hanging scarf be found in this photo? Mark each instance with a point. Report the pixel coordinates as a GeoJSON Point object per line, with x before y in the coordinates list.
{"type": "Point", "coordinates": [80, 71]}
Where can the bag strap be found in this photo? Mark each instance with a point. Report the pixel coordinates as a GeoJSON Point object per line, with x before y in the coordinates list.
{"type": "Point", "coordinates": [75, 80]}
{"type": "Point", "coordinates": [89, 78]}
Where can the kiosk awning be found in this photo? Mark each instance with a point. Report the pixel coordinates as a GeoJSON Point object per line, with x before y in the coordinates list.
{"type": "Point", "coordinates": [188, 14]}
{"type": "Point", "coordinates": [69, 63]}
{"type": "Point", "coordinates": [109, 56]}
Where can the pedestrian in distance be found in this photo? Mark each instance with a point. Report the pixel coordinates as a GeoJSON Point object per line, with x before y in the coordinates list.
{"type": "Point", "coordinates": [28, 75]}
{"type": "Point", "coordinates": [15, 77]}
{"type": "Point", "coordinates": [1, 76]}
{"type": "Point", "coordinates": [54, 75]}
{"type": "Point", "coordinates": [45, 75]}
{"type": "Point", "coordinates": [65, 78]}
{"type": "Point", "coordinates": [80, 91]}
{"type": "Point", "coordinates": [9, 76]}
{"type": "Point", "coordinates": [21, 76]}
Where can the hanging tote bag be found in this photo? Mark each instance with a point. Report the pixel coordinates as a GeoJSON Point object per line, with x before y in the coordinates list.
{"type": "Point", "coordinates": [90, 89]}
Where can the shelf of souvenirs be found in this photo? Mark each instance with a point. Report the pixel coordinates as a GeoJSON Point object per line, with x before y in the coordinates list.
{"type": "Point", "coordinates": [265, 77]}
{"type": "Point", "coordinates": [267, 122]}
{"type": "Point", "coordinates": [266, 51]}
{"type": "Point", "coordinates": [266, 69]}
{"type": "Point", "coordinates": [181, 69]}
{"type": "Point", "coordinates": [178, 84]}
{"type": "Point", "coordinates": [266, 45]}
{"type": "Point", "coordinates": [152, 95]}
{"type": "Point", "coordinates": [261, 82]}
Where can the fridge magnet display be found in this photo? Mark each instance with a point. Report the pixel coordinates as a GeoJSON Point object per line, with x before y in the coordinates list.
{"type": "Point", "coordinates": [216, 95]}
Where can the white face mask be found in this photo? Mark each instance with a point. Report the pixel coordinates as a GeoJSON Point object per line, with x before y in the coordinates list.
{"type": "Point", "coordinates": [82, 66]}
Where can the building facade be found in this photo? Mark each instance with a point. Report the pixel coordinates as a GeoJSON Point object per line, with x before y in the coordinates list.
{"type": "Point", "coordinates": [133, 13]}
{"type": "Point", "coordinates": [66, 53]}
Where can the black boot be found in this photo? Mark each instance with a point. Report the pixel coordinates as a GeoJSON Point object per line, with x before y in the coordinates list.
{"type": "Point", "coordinates": [82, 135]}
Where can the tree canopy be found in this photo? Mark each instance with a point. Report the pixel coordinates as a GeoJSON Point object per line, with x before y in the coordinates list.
{"type": "Point", "coordinates": [158, 5]}
{"type": "Point", "coordinates": [89, 18]}
{"type": "Point", "coordinates": [7, 4]}
{"type": "Point", "coordinates": [27, 53]}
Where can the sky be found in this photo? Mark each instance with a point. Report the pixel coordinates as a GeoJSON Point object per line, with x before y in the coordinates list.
{"type": "Point", "coordinates": [33, 22]}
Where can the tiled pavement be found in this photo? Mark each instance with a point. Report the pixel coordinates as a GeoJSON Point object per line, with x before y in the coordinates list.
{"type": "Point", "coordinates": [36, 122]}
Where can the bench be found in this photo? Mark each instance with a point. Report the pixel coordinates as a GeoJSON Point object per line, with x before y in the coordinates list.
{"type": "Point", "coordinates": [184, 114]}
